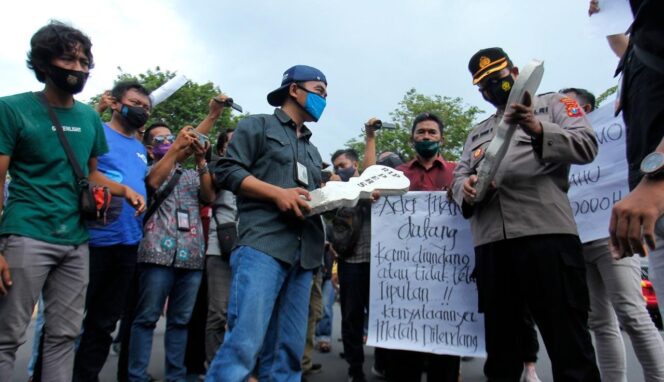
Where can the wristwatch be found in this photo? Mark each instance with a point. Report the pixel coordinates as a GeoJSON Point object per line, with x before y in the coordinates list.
{"type": "Point", "coordinates": [652, 165]}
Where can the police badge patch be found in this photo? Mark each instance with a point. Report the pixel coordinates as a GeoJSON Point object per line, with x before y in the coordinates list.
{"type": "Point", "coordinates": [572, 107]}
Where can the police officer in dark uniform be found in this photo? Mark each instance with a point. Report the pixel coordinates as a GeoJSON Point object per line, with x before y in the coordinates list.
{"type": "Point", "coordinates": [528, 253]}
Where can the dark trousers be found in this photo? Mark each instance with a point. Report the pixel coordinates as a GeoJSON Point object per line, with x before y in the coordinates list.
{"type": "Point", "coordinates": [111, 271]}
{"type": "Point", "coordinates": [546, 275]}
{"type": "Point", "coordinates": [354, 299]}
{"type": "Point", "coordinates": [194, 356]}
{"type": "Point", "coordinates": [408, 366]}
{"type": "Point", "coordinates": [124, 333]}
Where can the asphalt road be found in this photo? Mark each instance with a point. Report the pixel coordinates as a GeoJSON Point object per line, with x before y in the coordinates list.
{"type": "Point", "coordinates": [334, 367]}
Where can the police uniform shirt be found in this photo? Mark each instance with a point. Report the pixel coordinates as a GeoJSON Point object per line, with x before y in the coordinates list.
{"type": "Point", "coordinates": [532, 180]}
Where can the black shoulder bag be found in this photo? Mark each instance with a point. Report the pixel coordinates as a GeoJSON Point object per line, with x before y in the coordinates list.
{"type": "Point", "coordinates": [94, 200]}
{"type": "Point", "coordinates": [226, 236]}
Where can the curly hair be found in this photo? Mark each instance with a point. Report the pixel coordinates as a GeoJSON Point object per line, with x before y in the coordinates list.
{"type": "Point", "coordinates": [52, 41]}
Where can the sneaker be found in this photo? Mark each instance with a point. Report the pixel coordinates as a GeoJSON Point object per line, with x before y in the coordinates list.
{"type": "Point", "coordinates": [378, 373]}
{"type": "Point", "coordinates": [314, 369]}
{"type": "Point", "coordinates": [529, 375]}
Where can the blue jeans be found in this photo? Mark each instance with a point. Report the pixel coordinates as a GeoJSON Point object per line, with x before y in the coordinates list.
{"type": "Point", "coordinates": [267, 318]}
{"type": "Point", "coordinates": [324, 327]}
{"type": "Point", "coordinates": [39, 326]}
{"type": "Point", "coordinates": [155, 284]}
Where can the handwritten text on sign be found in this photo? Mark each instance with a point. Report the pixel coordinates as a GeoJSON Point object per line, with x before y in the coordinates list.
{"type": "Point", "coordinates": [596, 187]}
{"type": "Point", "coordinates": [422, 297]}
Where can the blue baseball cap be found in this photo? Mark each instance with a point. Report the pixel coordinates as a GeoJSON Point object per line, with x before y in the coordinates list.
{"type": "Point", "coordinates": [297, 73]}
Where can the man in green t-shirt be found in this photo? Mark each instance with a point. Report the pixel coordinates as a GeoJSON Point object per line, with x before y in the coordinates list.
{"type": "Point", "coordinates": [43, 243]}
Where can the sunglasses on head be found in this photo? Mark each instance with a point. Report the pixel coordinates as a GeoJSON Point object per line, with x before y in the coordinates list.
{"type": "Point", "coordinates": [161, 138]}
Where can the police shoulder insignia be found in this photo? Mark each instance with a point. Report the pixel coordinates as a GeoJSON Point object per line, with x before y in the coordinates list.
{"type": "Point", "coordinates": [572, 107]}
{"type": "Point", "coordinates": [477, 153]}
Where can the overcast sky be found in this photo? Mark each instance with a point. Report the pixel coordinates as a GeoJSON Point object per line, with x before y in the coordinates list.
{"type": "Point", "coordinates": [372, 52]}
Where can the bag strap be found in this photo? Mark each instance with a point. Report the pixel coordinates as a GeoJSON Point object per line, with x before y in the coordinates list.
{"type": "Point", "coordinates": [81, 179]}
{"type": "Point", "coordinates": [214, 215]}
{"type": "Point", "coordinates": [160, 196]}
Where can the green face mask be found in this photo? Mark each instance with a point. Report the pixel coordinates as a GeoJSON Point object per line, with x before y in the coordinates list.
{"type": "Point", "coordinates": [427, 149]}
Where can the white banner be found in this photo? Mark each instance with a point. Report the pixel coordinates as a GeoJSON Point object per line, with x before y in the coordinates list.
{"type": "Point", "coordinates": [422, 297]}
{"type": "Point", "coordinates": [596, 187]}
{"type": "Point", "coordinates": [614, 17]}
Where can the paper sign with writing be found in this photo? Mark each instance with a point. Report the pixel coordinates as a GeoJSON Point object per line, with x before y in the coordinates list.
{"type": "Point", "coordinates": [422, 296]}
{"type": "Point", "coordinates": [596, 187]}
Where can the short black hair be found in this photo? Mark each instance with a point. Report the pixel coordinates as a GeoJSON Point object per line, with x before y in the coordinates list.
{"type": "Point", "coordinates": [121, 88]}
{"type": "Point", "coordinates": [52, 41]}
{"type": "Point", "coordinates": [392, 159]}
{"type": "Point", "coordinates": [584, 95]}
{"type": "Point", "coordinates": [349, 153]}
{"type": "Point", "coordinates": [222, 139]}
{"type": "Point", "coordinates": [147, 136]}
{"type": "Point", "coordinates": [427, 117]}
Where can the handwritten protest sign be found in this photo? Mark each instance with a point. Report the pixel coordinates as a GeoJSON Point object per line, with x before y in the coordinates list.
{"type": "Point", "coordinates": [422, 297]}
{"type": "Point", "coordinates": [596, 187]}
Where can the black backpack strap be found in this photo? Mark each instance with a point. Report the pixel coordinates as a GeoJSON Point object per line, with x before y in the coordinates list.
{"type": "Point", "coordinates": [81, 179]}
{"type": "Point", "coordinates": [160, 196]}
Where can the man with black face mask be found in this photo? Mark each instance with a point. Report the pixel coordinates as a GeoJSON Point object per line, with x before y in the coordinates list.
{"type": "Point", "coordinates": [114, 243]}
{"type": "Point", "coordinates": [351, 239]}
{"type": "Point", "coordinates": [43, 242]}
{"type": "Point", "coordinates": [527, 251]}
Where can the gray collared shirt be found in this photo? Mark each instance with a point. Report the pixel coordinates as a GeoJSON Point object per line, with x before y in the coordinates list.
{"type": "Point", "coordinates": [267, 147]}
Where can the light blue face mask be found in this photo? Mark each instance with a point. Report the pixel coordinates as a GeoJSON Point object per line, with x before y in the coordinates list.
{"type": "Point", "coordinates": [314, 105]}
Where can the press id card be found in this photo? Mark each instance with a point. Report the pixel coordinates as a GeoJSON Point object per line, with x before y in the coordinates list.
{"type": "Point", "coordinates": [302, 175]}
{"type": "Point", "coordinates": [183, 220]}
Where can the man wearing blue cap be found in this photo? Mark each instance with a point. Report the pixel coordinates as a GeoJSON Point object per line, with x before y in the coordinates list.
{"type": "Point", "coordinates": [271, 166]}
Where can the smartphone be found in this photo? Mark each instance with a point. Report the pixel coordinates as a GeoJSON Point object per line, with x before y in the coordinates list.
{"type": "Point", "coordinates": [202, 138]}
{"type": "Point", "coordinates": [229, 102]}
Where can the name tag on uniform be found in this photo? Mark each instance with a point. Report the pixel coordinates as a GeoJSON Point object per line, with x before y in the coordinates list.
{"type": "Point", "coordinates": [302, 175]}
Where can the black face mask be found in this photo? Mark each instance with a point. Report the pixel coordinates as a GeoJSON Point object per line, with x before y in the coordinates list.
{"type": "Point", "coordinates": [498, 90]}
{"type": "Point", "coordinates": [392, 161]}
{"type": "Point", "coordinates": [70, 81]}
{"type": "Point", "coordinates": [135, 116]}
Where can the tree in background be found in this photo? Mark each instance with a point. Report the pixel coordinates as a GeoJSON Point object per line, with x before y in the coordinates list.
{"type": "Point", "coordinates": [457, 117]}
{"type": "Point", "coordinates": [608, 92]}
{"type": "Point", "coordinates": [187, 106]}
